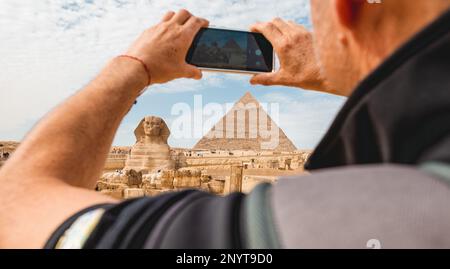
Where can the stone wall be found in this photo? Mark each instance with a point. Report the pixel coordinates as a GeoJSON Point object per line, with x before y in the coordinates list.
{"type": "Point", "coordinates": [292, 161]}
{"type": "Point", "coordinates": [118, 184]}
{"type": "Point", "coordinates": [210, 171]}
{"type": "Point", "coordinates": [192, 159]}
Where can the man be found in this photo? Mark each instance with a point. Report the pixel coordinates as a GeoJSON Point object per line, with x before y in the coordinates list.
{"type": "Point", "coordinates": [392, 59]}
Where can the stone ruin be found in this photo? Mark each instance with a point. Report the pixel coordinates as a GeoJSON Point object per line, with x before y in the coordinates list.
{"type": "Point", "coordinates": [150, 167]}
{"type": "Point", "coordinates": [131, 184]}
{"type": "Point", "coordinates": [217, 165]}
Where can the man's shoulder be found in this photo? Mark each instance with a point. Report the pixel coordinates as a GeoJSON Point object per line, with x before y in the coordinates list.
{"type": "Point", "coordinates": [401, 206]}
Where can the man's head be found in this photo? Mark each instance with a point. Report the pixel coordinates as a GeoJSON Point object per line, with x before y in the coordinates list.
{"type": "Point", "coordinates": [354, 36]}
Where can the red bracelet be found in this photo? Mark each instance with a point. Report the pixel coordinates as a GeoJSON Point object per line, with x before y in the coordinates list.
{"type": "Point", "coordinates": [147, 70]}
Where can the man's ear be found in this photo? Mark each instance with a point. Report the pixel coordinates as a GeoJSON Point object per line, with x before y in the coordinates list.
{"type": "Point", "coordinates": [348, 11]}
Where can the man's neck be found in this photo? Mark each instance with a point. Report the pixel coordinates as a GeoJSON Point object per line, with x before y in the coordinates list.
{"type": "Point", "coordinates": [402, 23]}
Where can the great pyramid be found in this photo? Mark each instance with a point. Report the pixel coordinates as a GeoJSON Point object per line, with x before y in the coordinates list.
{"type": "Point", "coordinates": [245, 133]}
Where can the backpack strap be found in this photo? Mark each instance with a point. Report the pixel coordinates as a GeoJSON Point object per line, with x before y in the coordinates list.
{"type": "Point", "coordinates": [259, 225]}
{"type": "Point", "coordinates": [438, 169]}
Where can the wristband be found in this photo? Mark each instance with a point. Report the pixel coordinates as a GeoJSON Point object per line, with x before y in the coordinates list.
{"type": "Point", "coordinates": [147, 70]}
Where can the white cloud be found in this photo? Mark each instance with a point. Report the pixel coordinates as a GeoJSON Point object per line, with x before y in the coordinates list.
{"type": "Point", "coordinates": [52, 48]}
{"type": "Point", "coordinates": [189, 85]}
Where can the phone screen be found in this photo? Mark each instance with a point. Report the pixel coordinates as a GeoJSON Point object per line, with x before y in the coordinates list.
{"type": "Point", "coordinates": [231, 50]}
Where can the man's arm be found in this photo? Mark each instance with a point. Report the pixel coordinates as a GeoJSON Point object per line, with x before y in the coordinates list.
{"type": "Point", "coordinates": [42, 183]}
{"type": "Point", "coordinates": [71, 143]}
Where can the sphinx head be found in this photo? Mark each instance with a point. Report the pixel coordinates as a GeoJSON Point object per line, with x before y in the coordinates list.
{"type": "Point", "coordinates": [152, 129]}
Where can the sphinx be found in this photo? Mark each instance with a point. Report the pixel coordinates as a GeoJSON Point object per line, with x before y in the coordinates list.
{"type": "Point", "coordinates": [151, 153]}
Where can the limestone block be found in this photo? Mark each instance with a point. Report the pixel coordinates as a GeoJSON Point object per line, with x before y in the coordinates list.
{"type": "Point", "coordinates": [146, 185]}
{"type": "Point", "coordinates": [205, 179]}
{"type": "Point", "coordinates": [153, 192]}
{"type": "Point", "coordinates": [117, 194]}
{"type": "Point", "coordinates": [114, 178]}
{"type": "Point", "coordinates": [134, 179]}
{"type": "Point", "coordinates": [129, 193]}
{"type": "Point", "coordinates": [101, 185]}
{"type": "Point", "coordinates": [186, 182]}
{"type": "Point", "coordinates": [204, 187]}
{"type": "Point", "coordinates": [216, 186]}
{"type": "Point", "coordinates": [236, 179]}
{"type": "Point", "coordinates": [165, 183]}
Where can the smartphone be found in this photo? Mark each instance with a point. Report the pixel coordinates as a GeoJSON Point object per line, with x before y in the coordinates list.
{"type": "Point", "coordinates": [235, 51]}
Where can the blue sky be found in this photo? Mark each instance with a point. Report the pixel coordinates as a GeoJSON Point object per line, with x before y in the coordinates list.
{"type": "Point", "coordinates": [52, 48]}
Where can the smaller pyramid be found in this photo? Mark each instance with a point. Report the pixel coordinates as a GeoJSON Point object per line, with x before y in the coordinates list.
{"type": "Point", "coordinates": [247, 126]}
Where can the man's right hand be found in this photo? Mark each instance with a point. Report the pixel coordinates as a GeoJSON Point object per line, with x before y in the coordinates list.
{"type": "Point", "coordinates": [294, 47]}
{"type": "Point", "coordinates": [164, 47]}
